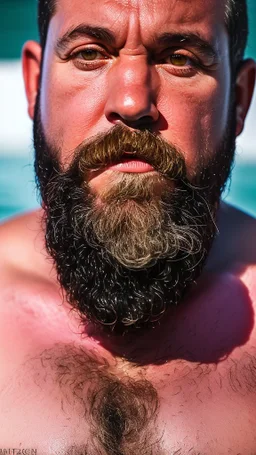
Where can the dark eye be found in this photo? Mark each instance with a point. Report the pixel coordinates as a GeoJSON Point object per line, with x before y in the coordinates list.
{"type": "Point", "coordinates": [90, 54]}
{"type": "Point", "coordinates": [178, 60]}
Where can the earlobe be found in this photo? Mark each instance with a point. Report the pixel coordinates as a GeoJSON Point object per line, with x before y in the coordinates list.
{"type": "Point", "coordinates": [245, 83]}
{"type": "Point", "coordinates": [31, 65]}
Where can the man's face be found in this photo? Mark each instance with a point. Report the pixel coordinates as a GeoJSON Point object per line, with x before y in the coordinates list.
{"type": "Point", "coordinates": [144, 77]}
{"type": "Point", "coordinates": [156, 70]}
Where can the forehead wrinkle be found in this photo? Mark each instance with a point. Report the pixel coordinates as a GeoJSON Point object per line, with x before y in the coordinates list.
{"type": "Point", "coordinates": [130, 21]}
{"type": "Point", "coordinates": [134, 37]}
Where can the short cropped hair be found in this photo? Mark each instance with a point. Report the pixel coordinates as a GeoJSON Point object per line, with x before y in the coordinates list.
{"type": "Point", "coordinates": [236, 20]}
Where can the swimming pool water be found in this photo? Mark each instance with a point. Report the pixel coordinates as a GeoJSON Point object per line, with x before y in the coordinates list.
{"type": "Point", "coordinates": [18, 190]}
{"type": "Point", "coordinates": [17, 186]}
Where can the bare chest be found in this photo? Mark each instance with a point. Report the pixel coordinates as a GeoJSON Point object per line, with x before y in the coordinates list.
{"type": "Point", "coordinates": [211, 408]}
{"type": "Point", "coordinates": [53, 381]}
{"type": "Point", "coordinates": [66, 391]}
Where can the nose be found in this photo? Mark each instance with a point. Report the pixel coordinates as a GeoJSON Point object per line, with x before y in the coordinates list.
{"type": "Point", "coordinates": [132, 93]}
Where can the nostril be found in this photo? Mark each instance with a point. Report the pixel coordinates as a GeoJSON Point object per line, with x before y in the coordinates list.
{"type": "Point", "coordinates": [144, 122]}
{"type": "Point", "coordinates": [115, 118]}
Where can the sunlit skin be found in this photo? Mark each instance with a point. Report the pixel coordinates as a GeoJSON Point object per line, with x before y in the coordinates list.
{"type": "Point", "coordinates": [153, 88]}
{"type": "Point", "coordinates": [181, 91]}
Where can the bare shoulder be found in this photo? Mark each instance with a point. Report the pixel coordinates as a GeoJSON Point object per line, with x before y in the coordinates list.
{"type": "Point", "coordinates": [239, 231]}
{"type": "Point", "coordinates": [235, 244]}
{"type": "Point", "coordinates": [238, 224]}
{"type": "Point", "coordinates": [22, 248]}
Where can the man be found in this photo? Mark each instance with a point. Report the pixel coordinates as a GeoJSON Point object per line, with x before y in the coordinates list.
{"type": "Point", "coordinates": [128, 301]}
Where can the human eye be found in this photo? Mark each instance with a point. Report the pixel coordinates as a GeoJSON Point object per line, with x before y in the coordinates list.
{"type": "Point", "coordinates": [179, 60]}
{"type": "Point", "coordinates": [180, 63]}
{"type": "Point", "coordinates": [89, 58]}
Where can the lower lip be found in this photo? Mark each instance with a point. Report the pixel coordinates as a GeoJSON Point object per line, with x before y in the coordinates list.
{"type": "Point", "coordinates": [132, 166]}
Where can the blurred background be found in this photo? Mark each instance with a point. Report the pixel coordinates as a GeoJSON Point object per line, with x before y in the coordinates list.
{"type": "Point", "coordinates": [17, 187]}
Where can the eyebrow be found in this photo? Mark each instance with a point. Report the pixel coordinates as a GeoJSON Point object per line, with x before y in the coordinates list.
{"type": "Point", "coordinates": [165, 39]}
{"type": "Point", "coordinates": [191, 40]}
{"type": "Point", "coordinates": [81, 31]}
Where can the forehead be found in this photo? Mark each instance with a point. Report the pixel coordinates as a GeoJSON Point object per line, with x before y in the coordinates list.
{"type": "Point", "coordinates": [148, 17]}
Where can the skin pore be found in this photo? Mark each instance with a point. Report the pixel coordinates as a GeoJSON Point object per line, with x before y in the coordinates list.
{"type": "Point", "coordinates": [135, 81]}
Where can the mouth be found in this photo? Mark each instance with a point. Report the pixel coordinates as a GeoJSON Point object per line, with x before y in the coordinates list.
{"type": "Point", "coordinates": [130, 162]}
{"type": "Point", "coordinates": [131, 165]}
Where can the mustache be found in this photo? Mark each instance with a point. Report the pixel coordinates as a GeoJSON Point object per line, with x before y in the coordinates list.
{"type": "Point", "coordinates": [121, 143]}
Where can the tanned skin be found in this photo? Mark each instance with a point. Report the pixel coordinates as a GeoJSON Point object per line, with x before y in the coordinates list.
{"type": "Point", "coordinates": [197, 366]}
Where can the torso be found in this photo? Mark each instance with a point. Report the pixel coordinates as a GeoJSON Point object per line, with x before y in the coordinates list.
{"type": "Point", "coordinates": [202, 366]}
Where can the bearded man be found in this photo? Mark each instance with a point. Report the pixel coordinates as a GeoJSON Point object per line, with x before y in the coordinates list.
{"type": "Point", "coordinates": [128, 300]}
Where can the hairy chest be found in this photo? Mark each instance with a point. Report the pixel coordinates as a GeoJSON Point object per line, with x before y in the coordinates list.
{"type": "Point", "coordinates": [179, 408]}
{"type": "Point", "coordinates": [210, 408]}
{"type": "Point", "coordinates": [52, 385]}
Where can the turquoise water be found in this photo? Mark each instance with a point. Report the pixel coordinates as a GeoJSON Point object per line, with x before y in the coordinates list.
{"type": "Point", "coordinates": [17, 187]}
{"type": "Point", "coordinates": [18, 193]}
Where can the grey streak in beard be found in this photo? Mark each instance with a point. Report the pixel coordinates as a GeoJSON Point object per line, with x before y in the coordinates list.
{"type": "Point", "coordinates": [137, 225]}
{"type": "Point", "coordinates": [133, 217]}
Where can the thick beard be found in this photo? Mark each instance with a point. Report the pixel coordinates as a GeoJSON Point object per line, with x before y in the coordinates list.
{"type": "Point", "coordinates": [123, 259]}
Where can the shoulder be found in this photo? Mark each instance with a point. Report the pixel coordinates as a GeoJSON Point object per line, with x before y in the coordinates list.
{"type": "Point", "coordinates": [233, 259]}
{"type": "Point", "coordinates": [234, 248]}
{"type": "Point", "coordinates": [241, 240]}
{"type": "Point", "coordinates": [248, 277]}
{"type": "Point", "coordinates": [22, 251]}
{"type": "Point", "coordinates": [235, 222]}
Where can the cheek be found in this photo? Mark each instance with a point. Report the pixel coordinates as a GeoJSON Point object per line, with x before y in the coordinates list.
{"type": "Point", "coordinates": [72, 106]}
{"type": "Point", "coordinates": [196, 111]}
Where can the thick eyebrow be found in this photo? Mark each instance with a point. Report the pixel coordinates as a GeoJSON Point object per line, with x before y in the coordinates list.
{"type": "Point", "coordinates": [83, 31]}
{"type": "Point", "coordinates": [189, 39]}
{"type": "Point", "coordinates": [193, 40]}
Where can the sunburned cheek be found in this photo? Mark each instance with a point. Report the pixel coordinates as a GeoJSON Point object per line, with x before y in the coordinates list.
{"type": "Point", "coordinates": [73, 116]}
{"type": "Point", "coordinates": [197, 118]}
{"type": "Point", "coordinates": [215, 109]}
{"type": "Point", "coordinates": [185, 128]}
{"type": "Point", "coordinates": [214, 122]}
{"type": "Point", "coordinates": [72, 105]}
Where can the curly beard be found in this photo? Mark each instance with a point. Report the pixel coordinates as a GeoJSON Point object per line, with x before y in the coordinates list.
{"type": "Point", "coordinates": [127, 253]}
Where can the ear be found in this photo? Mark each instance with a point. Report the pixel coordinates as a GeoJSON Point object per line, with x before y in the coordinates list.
{"type": "Point", "coordinates": [31, 65]}
{"type": "Point", "coordinates": [245, 82]}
